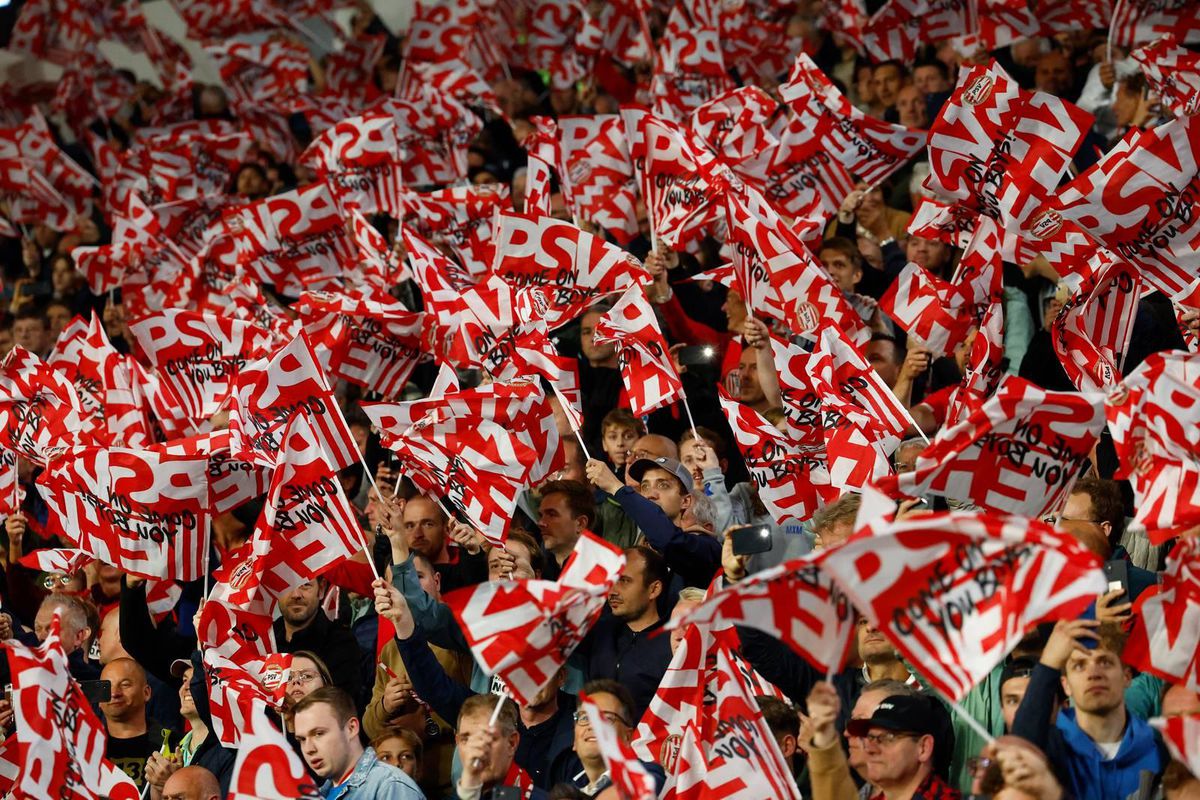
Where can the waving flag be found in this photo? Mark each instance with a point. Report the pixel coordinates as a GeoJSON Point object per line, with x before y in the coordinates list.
{"type": "Point", "coordinates": [271, 392]}
{"type": "Point", "coordinates": [39, 410]}
{"type": "Point", "coordinates": [236, 620]}
{"type": "Point", "coordinates": [791, 477]}
{"type": "Point", "coordinates": [956, 591]}
{"type": "Point", "coordinates": [524, 631]}
{"type": "Point", "coordinates": [267, 767]}
{"type": "Point", "coordinates": [1173, 73]}
{"type": "Point", "coordinates": [629, 775]}
{"type": "Point", "coordinates": [1181, 734]}
{"type": "Point", "coordinates": [461, 219]}
{"type": "Point", "coordinates": [142, 511]}
{"type": "Point", "coordinates": [676, 701]}
{"type": "Point", "coordinates": [60, 742]}
{"type": "Point", "coordinates": [359, 156]}
{"type": "Point", "coordinates": [865, 147]}
{"type": "Point", "coordinates": [1001, 150]}
{"type": "Point", "coordinates": [933, 312]}
{"type": "Point", "coordinates": [369, 339]}
{"type": "Point", "coordinates": [1019, 453]}
{"type": "Point", "coordinates": [1165, 638]}
{"type": "Point", "coordinates": [795, 602]}
{"type": "Point", "coordinates": [1154, 425]}
{"type": "Point", "coordinates": [984, 368]}
{"type": "Point", "coordinates": [599, 176]}
{"type": "Point", "coordinates": [557, 269]}
{"type": "Point", "coordinates": [690, 68]}
{"type": "Point", "coordinates": [1091, 333]}
{"type": "Point", "coordinates": [1134, 202]}
{"type": "Point", "coordinates": [676, 180]}
{"type": "Point", "coordinates": [198, 356]}
{"type": "Point", "coordinates": [800, 399]}
{"type": "Point", "coordinates": [1136, 21]}
{"type": "Point", "coordinates": [66, 561]}
{"type": "Point", "coordinates": [646, 369]}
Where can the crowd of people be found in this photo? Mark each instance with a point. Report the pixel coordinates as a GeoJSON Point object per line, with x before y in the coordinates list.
{"type": "Point", "coordinates": [383, 698]}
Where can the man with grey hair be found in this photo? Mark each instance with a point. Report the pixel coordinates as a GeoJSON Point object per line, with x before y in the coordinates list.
{"type": "Point", "coordinates": [74, 632]}
{"type": "Point", "coordinates": [659, 502]}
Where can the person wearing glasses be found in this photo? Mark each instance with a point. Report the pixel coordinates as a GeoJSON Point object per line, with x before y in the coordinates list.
{"type": "Point", "coordinates": [900, 742]}
{"type": "Point", "coordinates": [307, 674]}
{"type": "Point", "coordinates": [584, 767]}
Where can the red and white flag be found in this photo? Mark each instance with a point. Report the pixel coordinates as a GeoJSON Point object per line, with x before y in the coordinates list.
{"type": "Point", "coordinates": [60, 742]}
{"type": "Point", "coordinates": [369, 339]}
{"type": "Point", "coordinates": [39, 410]}
{"type": "Point", "coordinates": [796, 602]}
{"type": "Point", "coordinates": [628, 775]}
{"type": "Point", "coordinates": [597, 172]}
{"type": "Point", "coordinates": [1165, 638]}
{"type": "Point", "coordinates": [524, 631]}
{"type": "Point", "coordinates": [198, 356]}
{"type": "Point", "coordinates": [791, 477]}
{"type": "Point", "coordinates": [675, 179]}
{"type": "Point", "coordinates": [1173, 73]}
{"type": "Point", "coordinates": [274, 390]}
{"type": "Point", "coordinates": [984, 368]}
{"type": "Point", "coordinates": [1134, 202]}
{"type": "Point", "coordinates": [236, 624]}
{"type": "Point", "coordinates": [359, 157]}
{"type": "Point", "coordinates": [936, 314]}
{"type": "Point", "coordinates": [1136, 21]}
{"type": "Point", "coordinates": [1019, 453]}
{"type": "Point", "coordinates": [267, 767]}
{"type": "Point", "coordinates": [646, 369]}
{"type": "Point", "coordinates": [461, 219]}
{"type": "Point", "coordinates": [66, 561]}
{"type": "Point", "coordinates": [557, 269]}
{"type": "Point", "coordinates": [1154, 424]}
{"type": "Point", "coordinates": [1001, 150]}
{"type": "Point", "coordinates": [1181, 735]}
{"type": "Point", "coordinates": [956, 591]}
{"type": "Point", "coordinates": [1091, 333]}
{"type": "Point", "coordinates": [143, 511]}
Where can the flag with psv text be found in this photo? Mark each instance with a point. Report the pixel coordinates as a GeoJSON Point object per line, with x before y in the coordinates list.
{"type": "Point", "coordinates": [142, 511]}
{"type": "Point", "coordinates": [39, 409]}
{"type": "Point", "coordinates": [1154, 419]}
{"type": "Point", "coordinates": [646, 369]}
{"type": "Point", "coordinates": [956, 591]}
{"type": "Point", "coordinates": [272, 391]}
{"type": "Point", "coordinates": [1173, 73]}
{"type": "Point", "coordinates": [1001, 150]}
{"type": "Point", "coordinates": [1165, 637]}
{"type": "Point", "coordinates": [267, 767]}
{"type": "Point", "coordinates": [1135, 201]}
{"type": "Point", "coordinates": [934, 313]}
{"type": "Point", "coordinates": [675, 179]}
{"type": "Point", "coordinates": [236, 624]}
{"type": "Point", "coordinates": [524, 631]}
{"type": "Point", "coordinates": [358, 156]}
{"type": "Point", "coordinates": [367, 338]}
{"type": "Point", "coordinates": [796, 602]}
{"type": "Point", "coordinates": [309, 524]}
{"type": "Point", "coordinates": [235, 688]}
{"type": "Point", "coordinates": [597, 172]}
{"type": "Point", "coordinates": [60, 742]}
{"type": "Point", "coordinates": [790, 475]}
{"type": "Point", "coordinates": [628, 774]}
{"type": "Point", "coordinates": [198, 356]}
{"type": "Point", "coordinates": [1091, 333]}
{"type": "Point", "coordinates": [1018, 453]}
{"type": "Point", "coordinates": [557, 269]}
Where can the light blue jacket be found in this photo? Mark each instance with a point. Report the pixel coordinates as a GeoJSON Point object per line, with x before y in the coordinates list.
{"type": "Point", "coordinates": [374, 780]}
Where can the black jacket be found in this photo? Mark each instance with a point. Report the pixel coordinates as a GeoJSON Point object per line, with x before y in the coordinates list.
{"type": "Point", "coordinates": [333, 643]}
{"type": "Point", "coordinates": [637, 660]}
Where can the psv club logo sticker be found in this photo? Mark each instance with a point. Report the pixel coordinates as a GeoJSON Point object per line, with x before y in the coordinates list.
{"type": "Point", "coordinates": [978, 90]}
{"type": "Point", "coordinates": [807, 317]}
{"type": "Point", "coordinates": [1046, 224]}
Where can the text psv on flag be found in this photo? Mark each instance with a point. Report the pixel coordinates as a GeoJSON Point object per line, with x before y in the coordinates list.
{"type": "Point", "coordinates": [955, 592]}
{"type": "Point", "coordinates": [1017, 453]}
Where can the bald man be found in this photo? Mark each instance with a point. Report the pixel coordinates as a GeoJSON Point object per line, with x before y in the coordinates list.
{"type": "Point", "coordinates": [192, 783]}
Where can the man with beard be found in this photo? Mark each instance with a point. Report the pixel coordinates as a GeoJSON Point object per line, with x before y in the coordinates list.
{"type": "Point", "coordinates": [302, 626]}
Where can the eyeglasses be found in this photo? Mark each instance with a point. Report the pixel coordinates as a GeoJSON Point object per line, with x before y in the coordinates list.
{"type": "Point", "coordinates": [51, 581]}
{"type": "Point", "coordinates": [885, 739]}
{"type": "Point", "coordinates": [581, 718]}
{"type": "Point", "coordinates": [978, 765]}
{"type": "Point", "coordinates": [303, 678]}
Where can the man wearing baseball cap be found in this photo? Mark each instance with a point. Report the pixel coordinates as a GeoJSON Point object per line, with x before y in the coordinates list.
{"type": "Point", "coordinates": [901, 748]}
{"type": "Point", "coordinates": [657, 503]}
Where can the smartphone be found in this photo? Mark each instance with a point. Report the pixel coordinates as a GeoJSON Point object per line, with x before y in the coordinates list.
{"type": "Point", "coordinates": [697, 355]}
{"type": "Point", "coordinates": [751, 539]}
{"type": "Point", "coordinates": [97, 691]}
{"type": "Point", "coordinates": [1117, 573]}
{"type": "Point", "coordinates": [381, 551]}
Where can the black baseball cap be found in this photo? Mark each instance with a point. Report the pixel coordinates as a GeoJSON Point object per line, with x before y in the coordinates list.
{"type": "Point", "coordinates": [901, 713]}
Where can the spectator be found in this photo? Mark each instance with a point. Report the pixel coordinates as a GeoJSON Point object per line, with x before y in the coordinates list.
{"type": "Point", "coordinates": [1014, 681]}
{"type": "Point", "coordinates": [302, 626]}
{"type": "Point", "coordinates": [834, 524]}
{"type": "Point", "coordinates": [327, 731]}
{"type": "Point", "coordinates": [887, 80]}
{"type": "Point", "coordinates": [784, 723]}
{"type": "Point", "coordinates": [620, 429]}
{"type": "Point", "coordinates": [1097, 748]}
{"type": "Point", "coordinates": [199, 747]}
{"type": "Point", "coordinates": [900, 743]}
{"type": "Point", "coordinates": [1053, 75]}
{"type": "Point", "coordinates": [400, 748]}
{"type": "Point", "coordinates": [567, 509]}
{"type": "Point", "coordinates": [74, 632]}
{"type": "Point", "coordinates": [488, 751]}
{"type": "Point", "coordinates": [132, 736]}
{"type": "Point", "coordinates": [426, 526]}
{"type": "Point", "coordinates": [192, 783]}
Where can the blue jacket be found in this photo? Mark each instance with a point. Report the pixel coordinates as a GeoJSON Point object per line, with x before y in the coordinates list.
{"type": "Point", "coordinates": [374, 780]}
{"type": "Point", "coordinates": [1079, 763]}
